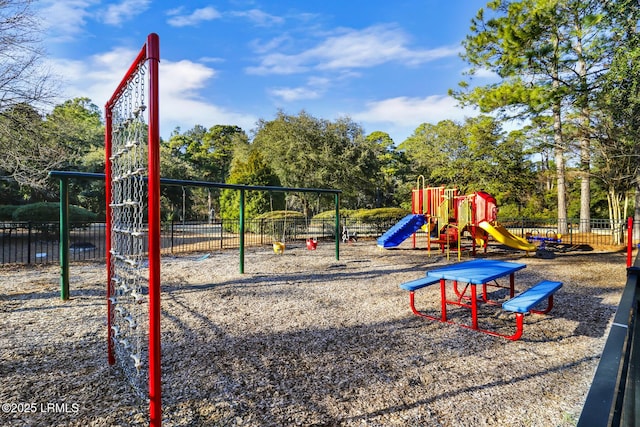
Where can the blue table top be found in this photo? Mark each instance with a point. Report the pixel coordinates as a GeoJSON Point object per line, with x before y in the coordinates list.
{"type": "Point", "coordinates": [477, 271]}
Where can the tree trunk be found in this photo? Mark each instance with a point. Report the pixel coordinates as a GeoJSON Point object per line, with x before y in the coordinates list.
{"type": "Point", "coordinates": [585, 145]}
{"type": "Point", "coordinates": [636, 213]}
{"type": "Point", "coordinates": [585, 186]}
{"type": "Point", "coordinates": [560, 170]}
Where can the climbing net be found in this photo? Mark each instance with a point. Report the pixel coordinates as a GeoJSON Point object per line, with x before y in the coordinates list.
{"type": "Point", "coordinates": [128, 256]}
{"type": "Point", "coordinates": [133, 288]}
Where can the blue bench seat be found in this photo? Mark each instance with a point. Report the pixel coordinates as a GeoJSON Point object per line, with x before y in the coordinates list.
{"type": "Point", "coordinates": [524, 302]}
{"type": "Point", "coordinates": [423, 282]}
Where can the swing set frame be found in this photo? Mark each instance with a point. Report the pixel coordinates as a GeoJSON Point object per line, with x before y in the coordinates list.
{"type": "Point", "coordinates": [65, 176]}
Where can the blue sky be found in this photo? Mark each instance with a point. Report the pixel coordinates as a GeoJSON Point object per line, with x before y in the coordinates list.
{"type": "Point", "coordinates": [386, 64]}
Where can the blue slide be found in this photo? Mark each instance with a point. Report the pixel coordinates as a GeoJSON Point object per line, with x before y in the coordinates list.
{"type": "Point", "coordinates": [403, 229]}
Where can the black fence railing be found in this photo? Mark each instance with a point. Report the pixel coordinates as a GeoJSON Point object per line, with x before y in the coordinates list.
{"type": "Point", "coordinates": [595, 232]}
{"type": "Point", "coordinates": [38, 242]}
{"type": "Point", "coordinates": [612, 400]}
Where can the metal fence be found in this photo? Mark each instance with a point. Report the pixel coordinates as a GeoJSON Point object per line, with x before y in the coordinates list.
{"type": "Point", "coordinates": [38, 242]}
{"type": "Point", "coordinates": [612, 400]}
{"type": "Point", "coordinates": [598, 232]}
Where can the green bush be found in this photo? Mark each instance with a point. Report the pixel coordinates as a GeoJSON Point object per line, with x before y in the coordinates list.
{"type": "Point", "coordinates": [331, 214]}
{"type": "Point", "coordinates": [281, 215]}
{"type": "Point", "coordinates": [379, 214]}
{"type": "Point", "coordinates": [6, 212]}
{"type": "Point", "coordinates": [50, 212]}
{"type": "Point", "coordinates": [366, 215]}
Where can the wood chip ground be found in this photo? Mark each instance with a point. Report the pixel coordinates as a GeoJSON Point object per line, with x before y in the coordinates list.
{"type": "Point", "coordinates": [303, 339]}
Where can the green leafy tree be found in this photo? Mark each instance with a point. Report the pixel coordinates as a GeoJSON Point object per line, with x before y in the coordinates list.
{"type": "Point", "coordinates": [437, 152]}
{"type": "Point", "coordinates": [76, 128]}
{"type": "Point", "coordinates": [472, 156]}
{"type": "Point", "coordinates": [548, 55]}
{"type": "Point", "coordinates": [393, 167]}
{"type": "Point", "coordinates": [618, 146]}
{"type": "Point", "coordinates": [304, 151]}
{"type": "Point", "coordinates": [209, 152]}
{"type": "Point", "coordinates": [255, 171]}
{"type": "Point", "coordinates": [173, 199]}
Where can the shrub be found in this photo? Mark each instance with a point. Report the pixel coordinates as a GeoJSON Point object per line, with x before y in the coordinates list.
{"type": "Point", "coordinates": [50, 212]}
{"type": "Point", "coordinates": [6, 212]}
{"type": "Point", "coordinates": [366, 215]}
{"type": "Point", "coordinates": [379, 214]}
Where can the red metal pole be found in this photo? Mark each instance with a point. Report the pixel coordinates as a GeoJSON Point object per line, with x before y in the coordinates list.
{"type": "Point", "coordinates": [443, 300]}
{"type": "Point", "coordinates": [629, 241]}
{"type": "Point", "coordinates": [474, 307]}
{"type": "Point", "coordinates": [153, 58]}
{"type": "Point", "coordinates": [107, 184]}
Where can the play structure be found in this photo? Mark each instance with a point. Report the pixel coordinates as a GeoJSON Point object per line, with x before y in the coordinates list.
{"type": "Point", "coordinates": [445, 215]}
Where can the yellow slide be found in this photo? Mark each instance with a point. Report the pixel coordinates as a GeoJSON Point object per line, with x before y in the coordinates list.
{"type": "Point", "coordinates": [503, 236]}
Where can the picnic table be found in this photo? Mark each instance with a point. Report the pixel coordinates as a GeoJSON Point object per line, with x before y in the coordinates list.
{"type": "Point", "coordinates": [484, 273]}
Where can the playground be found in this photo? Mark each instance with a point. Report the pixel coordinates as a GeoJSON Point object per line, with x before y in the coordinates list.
{"type": "Point", "coordinates": [446, 215]}
{"type": "Point", "coordinates": [291, 337]}
{"type": "Point", "coordinates": [304, 339]}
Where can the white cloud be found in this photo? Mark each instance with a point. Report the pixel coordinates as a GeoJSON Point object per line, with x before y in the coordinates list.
{"type": "Point", "coordinates": [315, 88]}
{"type": "Point", "coordinates": [295, 94]}
{"type": "Point", "coordinates": [64, 19]}
{"type": "Point", "coordinates": [183, 78]}
{"type": "Point", "coordinates": [261, 47]}
{"type": "Point", "coordinates": [402, 115]}
{"type": "Point", "coordinates": [117, 13]}
{"type": "Point", "coordinates": [259, 17]}
{"type": "Point", "coordinates": [278, 63]}
{"type": "Point", "coordinates": [366, 48]}
{"type": "Point", "coordinates": [181, 105]}
{"type": "Point", "coordinates": [484, 73]}
{"type": "Point", "coordinates": [197, 16]}
{"type": "Point", "coordinates": [413, 111]}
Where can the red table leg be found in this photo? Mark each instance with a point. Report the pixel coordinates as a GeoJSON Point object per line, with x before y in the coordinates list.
{"type": "Point", "coordinates": [443, 299]}
{"type": "Point", "coordinates": [474, 307]}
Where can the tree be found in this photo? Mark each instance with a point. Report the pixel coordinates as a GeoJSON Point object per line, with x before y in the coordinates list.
{"type": "Point", "coordinates": [210, 152]}
{"type": "Point", "coordinates": [24, 84]}
{"type": "Point", "coordinates": [76, 123]}
{"type": "Point", "coordinates": [304, 151]}
{"type": "Point", "coordinates": [23, 78]}
{"type": "Point", "coordinates": [66, 138]}
{"type": "Point", "coordinates": [174, 166]}
{"type": "Point", "coordinates": [437, 152]}
{"type": "Point", "coordinates": [548, 55]}
{"type": "Point", "coordinates": [394, 169]}
{"type": "Point", "coordinates": [618, 119]}
{"type": "Point", "coordinates": [26, 156]}
{"type": "Point", "coordinates": [472, 156]}
{"type": "Point", "coordinates": [255, 171]}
